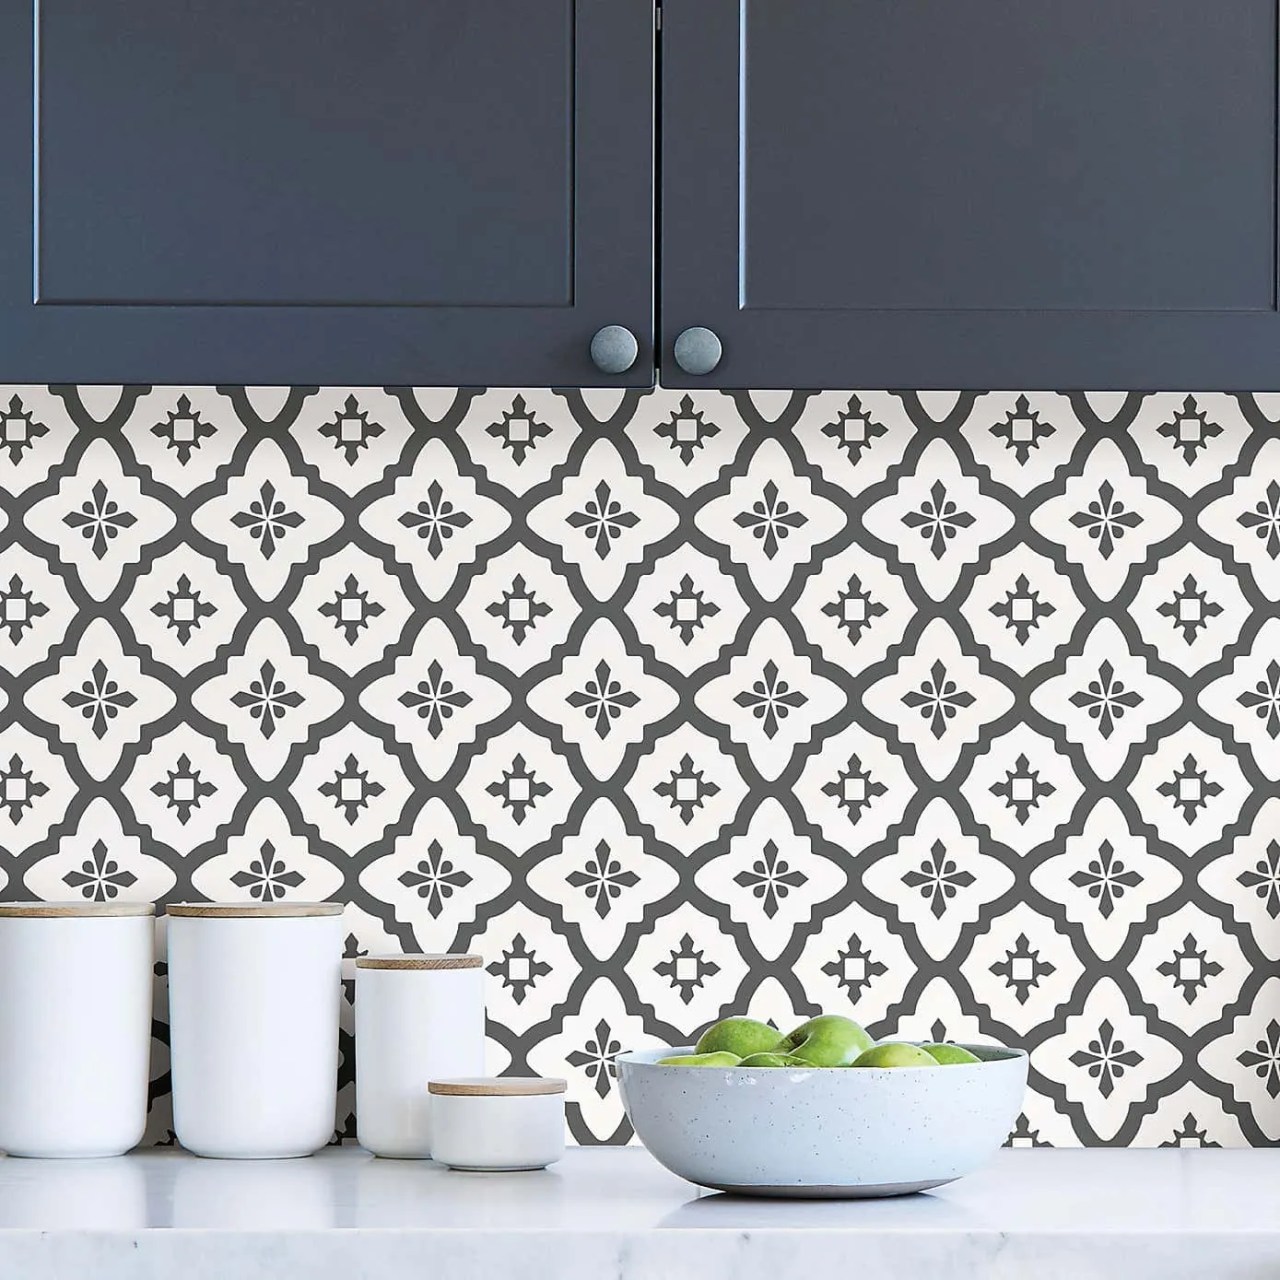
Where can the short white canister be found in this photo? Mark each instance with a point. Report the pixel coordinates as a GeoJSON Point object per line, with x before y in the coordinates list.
{"type": "Point", "coordinates": [497, 1123]}
{"type": "Point", "coordinates": [417, 1017]}
{"type": "Point", "coordinates": [75, 1026]}
{"type": "Point", "coordinates": [254, 994]}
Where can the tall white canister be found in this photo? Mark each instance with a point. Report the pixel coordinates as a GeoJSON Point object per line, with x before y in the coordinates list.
{"type": "Point", "coordinates": [417, 1018]}
{"type": "Point", "coordinates": [75, 1026]}
{"type": "Point", "coordinates": [254, 992]}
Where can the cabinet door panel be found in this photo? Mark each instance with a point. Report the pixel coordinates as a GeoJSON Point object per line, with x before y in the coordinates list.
{"type": "Point", "coordinates": [239, 152]}
{"type": "Point", "coordinates": [1063, 193]}
{"type": "Point", "coordinates": [288, 191]}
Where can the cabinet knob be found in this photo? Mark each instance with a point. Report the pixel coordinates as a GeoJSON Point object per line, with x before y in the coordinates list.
{"type": "Point", "coordinates": [614, 349]}
{"type": "Point", "coordinates": [698, 350]}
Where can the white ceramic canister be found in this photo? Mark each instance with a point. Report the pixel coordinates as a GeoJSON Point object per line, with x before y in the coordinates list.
{"type": "Point", "coordinates": [417, 1017]}
{"type": "Point", "coordinates": [254, 993]}
{"type": "Point", "coordinates": [497, 1123]}
{"type": "Point", "coordinates": [75, 1026]}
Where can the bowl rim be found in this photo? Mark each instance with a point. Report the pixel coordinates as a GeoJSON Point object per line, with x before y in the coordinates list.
{"type": "Point", "coordinates": [989, 1055]}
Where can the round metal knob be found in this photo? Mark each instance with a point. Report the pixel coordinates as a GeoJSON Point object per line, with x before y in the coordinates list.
{"type": "Point", "coordinates": [698, 351]}
{"type": "Point", "coordinates": [614, 349]}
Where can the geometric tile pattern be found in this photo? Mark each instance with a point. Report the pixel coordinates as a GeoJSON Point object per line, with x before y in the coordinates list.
{"type": "Point", "coordinates": [959, 711]}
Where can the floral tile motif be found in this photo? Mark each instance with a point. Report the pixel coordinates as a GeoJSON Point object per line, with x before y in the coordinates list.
{"type": "Point", "coordinates": [432, 880]}
{"type": "Point", "coordinates": [1024, 969]}
{"type": "Point", "coordinates": [604, 701]}
{"type": "Point", "coordinates": [602, 522]}
{"type": "Point", "coordinates": [773, 881]}
{"type": "Point", "coordinates": [267, 701]}
{"type": "Point", "coordinates": [1022, 440]}
{"type": "Point", "coordinates": [1106, 700]}
{"type": "Point", "coordinates": [267, 862]}
{"type": "Point", "coordinates": [1106, 520]}
{"type": "Point", "coordinates": [268, 520]}
{"type": "Point", "coordinates": [938, 521]}
{"type": "Point", "coordinates": [605, 879]}
{"type": "Point", "coordinates": [960, 713]}
{"type": "Point", "coordinates": [99, 701]}
{"type": "Point", "coordinates": [856, 961]}
{"type": "Point", "coordinates": [938, 701]}
{"type": "Point", "coordinates": [940, 879]}
{"type": "Point", "coordinates": [99, 520]}
{"type": "Point", "coordinates": [770, 701]}
{"type": "Point", "coordinates": [1108, 1060]}
{"type": "Point", "coordinates": [770, 521]}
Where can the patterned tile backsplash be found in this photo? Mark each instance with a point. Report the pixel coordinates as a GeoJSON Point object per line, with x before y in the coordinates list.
{"type": "Point", "coordinates": [961, 714]}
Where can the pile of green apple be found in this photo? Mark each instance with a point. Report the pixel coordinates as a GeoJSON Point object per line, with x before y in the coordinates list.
{"type": "Point", "coordinates": [828, 1041]}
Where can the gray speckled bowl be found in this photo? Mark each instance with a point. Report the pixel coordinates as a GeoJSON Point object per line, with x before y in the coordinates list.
{"type": "Point", "coordinates": [834, 1131]}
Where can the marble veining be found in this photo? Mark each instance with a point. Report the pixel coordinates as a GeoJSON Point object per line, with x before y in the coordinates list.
{"type": "Point", "coordinates": [1051, 1215]}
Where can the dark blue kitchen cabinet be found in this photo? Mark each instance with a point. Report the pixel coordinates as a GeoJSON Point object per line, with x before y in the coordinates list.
{"type": "Point", "coordinates": [995, 193]}
{"type": "Point", "coordinates": [309, 191]}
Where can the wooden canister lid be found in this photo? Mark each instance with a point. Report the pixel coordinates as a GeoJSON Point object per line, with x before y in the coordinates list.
{"type": "Point", "coordinates": [419, 962]}
{"type": "Point", "coordinates": [253, 910]}
{"type": "Point", "coordinates": [67, 910]}
{"type": "Point", "coordinates": [496, 1087]}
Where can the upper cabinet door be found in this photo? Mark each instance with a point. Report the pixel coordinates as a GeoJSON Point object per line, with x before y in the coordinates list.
{"type": "Point", "coordinates": [1066, 194]}
{"type": "Point", "coordinates": [309, 191]}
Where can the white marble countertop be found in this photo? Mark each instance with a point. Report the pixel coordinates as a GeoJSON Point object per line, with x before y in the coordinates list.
{"type": "Point", "coordinates": [616, 1215]}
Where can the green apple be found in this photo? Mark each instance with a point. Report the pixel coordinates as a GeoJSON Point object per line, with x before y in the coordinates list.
{"type": "Point", "coordinates": [896, 1054]}
{"type": "Point", "coordinates": [773, 1060]}
{"type": "Point", "coordinates": [743, 1036]}
{"type": "Point", "coordinates": [950, 1055]}
{"type": "Point", "coordinates": [700, 1060]}
{"type": "Point", "coordinates": [828, 1041]}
